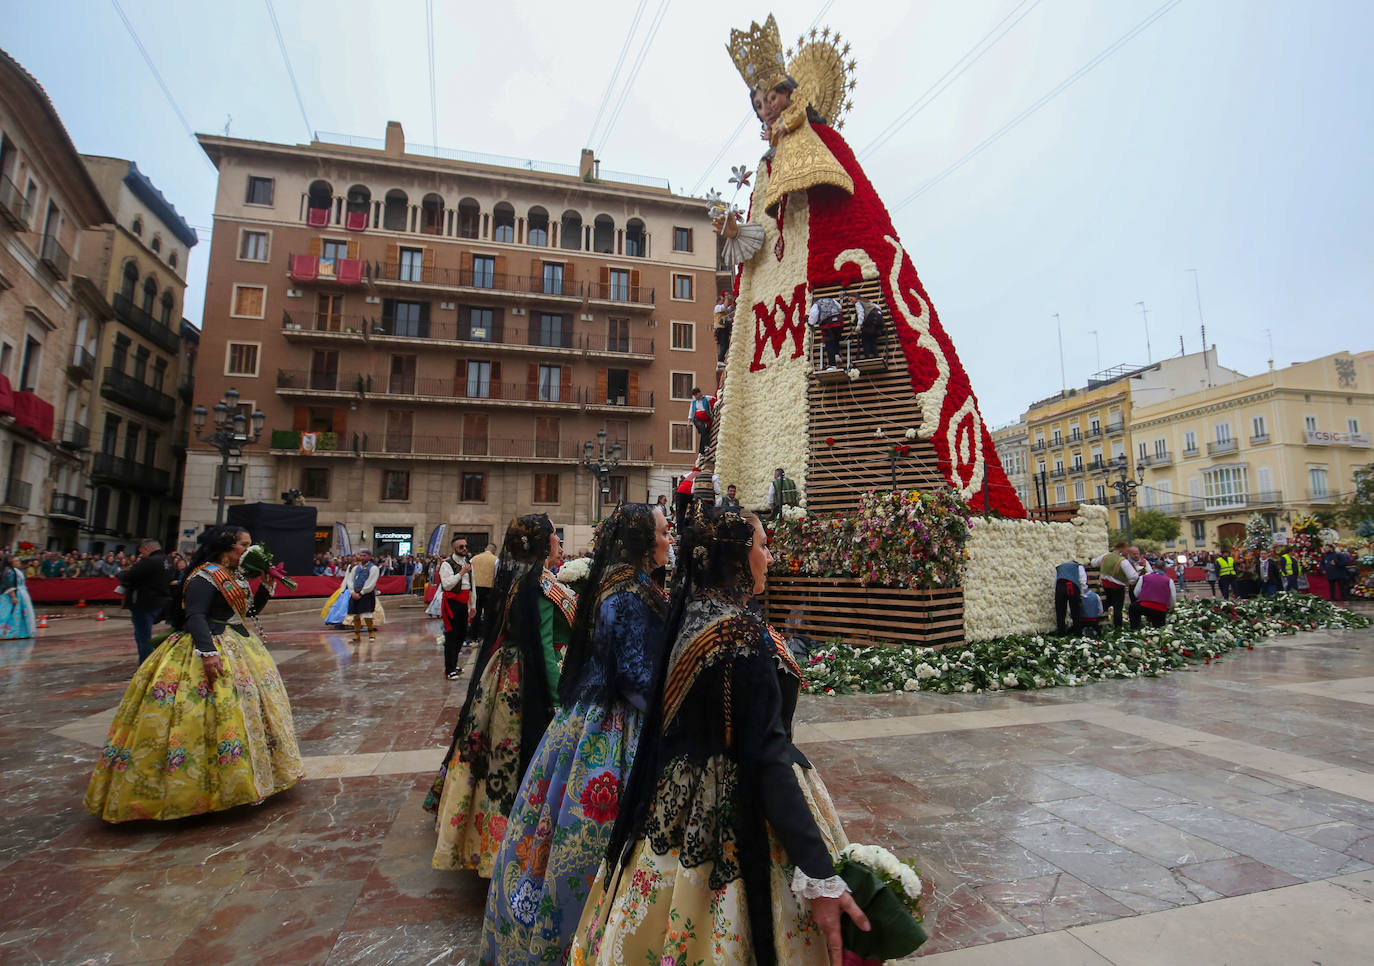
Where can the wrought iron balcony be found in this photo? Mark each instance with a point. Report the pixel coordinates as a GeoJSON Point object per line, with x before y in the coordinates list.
{"type": "Point", "coordinates": [18, 494]}
{"type": "Point", "coordinates": [1157, 459]}
{"type": "Point", "coordinates": [54, 257]}
{"type": "Point", "coordinates": [14, 206]}
{"type": "Point", "coordinates": [1222, 446]}
{"type": "Point", "coordinates": [123, 388]}
{"type": "Point", "coordinates": [66, 505]}
{"type": "Point", "coordinates": [82, 364]}
{"type": "Point", "coordinates": [73, 435]}
{"type": "Point", "coordinates": [108, 468]}
{"type": "Point", "coordinates": [142, 322]}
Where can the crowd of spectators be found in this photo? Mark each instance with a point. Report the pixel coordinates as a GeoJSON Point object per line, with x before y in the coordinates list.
{"type": "Point", "coordinates": [74, 563]}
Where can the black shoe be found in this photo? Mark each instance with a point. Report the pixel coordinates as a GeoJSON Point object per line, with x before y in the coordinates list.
{"type": "Point", "coordinates": [453, 675]}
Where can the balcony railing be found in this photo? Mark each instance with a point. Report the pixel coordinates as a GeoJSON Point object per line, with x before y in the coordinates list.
{"type": "Point", "coordinates": [1094, 431]}
{"type": "Point", "coordinates": [123, 388]}
{"type": "Point", "coordinates": [1116, 427]}
{"type": "Point", "coordinates": [54, 257]}
{"type": "Point", "coordinates": [459, 388]}
{"type": "Point", "coordinates": [106, 467]}
{"type": "Point", "coordinates": [1258, 438]}
{"type": "Point", "coordinates": [73, 435]}
{"type": "Point", "coordinates": [1057, 474]}
{"type": "Point", "coordinates": [409, 274]}
{"type": "Point", "coordinates": [18, 494]}
{"type": "Point", "coordinates": [322, 380]}
{"type": "Point", "coordinates": [498, 336]}
{"type": "Point", "coordinates": [325, 442]}
{"type": "Point", "coordinates": [13, 205]}
{"type": "Point", "coordinates": [82, 365]}
{"type": "Point", "coordinates": [1190, 451]}
{"type": "Point", "coordinates": [1157, 459]}
{"type": "Point", "coordinates": [561, 450]}
{"type": "Point", "coordinates": [1323, 496]}
{"type": "Point", "coordinates": [66, 505]}
{"type": "Point", "coordinates": [141, 321]}
{"type": "Point", "coordinates": [1037, 446]}
{"type": "Point", "coordinates": [1222, 446]}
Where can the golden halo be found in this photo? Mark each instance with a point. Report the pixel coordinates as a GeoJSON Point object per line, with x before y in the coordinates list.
{"type": "Point", "coordinates": [823, 75]}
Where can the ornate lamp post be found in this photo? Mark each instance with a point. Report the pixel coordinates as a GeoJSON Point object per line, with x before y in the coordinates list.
{"type": "Point", "coordinates": [600, 462]}
{"type": "Point", "coordinates": [1124, 485]}
{"type": "Point", "coordinates": [229, 436]}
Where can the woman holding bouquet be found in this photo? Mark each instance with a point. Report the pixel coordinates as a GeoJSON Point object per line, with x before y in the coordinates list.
{"type": "Point", "coordinates": [725, 846]}
{"type": "Point", "coordinates": [563, 814]}
{"type": "Point", "coordinates": [205, 724]}
{"type": "Point", "coordinates": [510, 700]}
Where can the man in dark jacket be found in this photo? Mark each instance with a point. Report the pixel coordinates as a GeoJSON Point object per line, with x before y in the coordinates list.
{"type": "Point", "coordinates": [146, 593]}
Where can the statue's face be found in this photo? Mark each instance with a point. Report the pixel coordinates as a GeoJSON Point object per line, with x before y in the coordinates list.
{"type": "Point", "coordinates": [770, 104]}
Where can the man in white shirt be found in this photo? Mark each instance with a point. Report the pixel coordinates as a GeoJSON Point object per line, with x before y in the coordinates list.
{"type": "Point", "coordinates": [455, 581]}
{"type": "Point", "coordinates": [827, 315]}
{"type": "Point", "coordinates": [361, 579]}
{"type": "Point", "coordinates": [1118, 575]}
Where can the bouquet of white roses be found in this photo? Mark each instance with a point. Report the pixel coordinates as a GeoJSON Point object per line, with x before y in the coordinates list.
{"type": "Point", "coordinates": [574, 573]}
{"type": "Point", "coordinates": [257, 562]}
{"type": "Point", "coordinates": [888, 890]}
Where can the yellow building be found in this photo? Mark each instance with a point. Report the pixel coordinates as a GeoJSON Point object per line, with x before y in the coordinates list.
{"type": "Point", "coordinates": [1010, 441]}
{"type": "Point", "coordinates": [136, 421]}
{"type": "Point", "coordinates": [1078, 436]}
{"type": "Point", "coordinates": [1283, 443]}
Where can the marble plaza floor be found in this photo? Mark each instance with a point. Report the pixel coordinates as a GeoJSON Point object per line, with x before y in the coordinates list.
{"type": "Point", "coordinates": [1224, 815]}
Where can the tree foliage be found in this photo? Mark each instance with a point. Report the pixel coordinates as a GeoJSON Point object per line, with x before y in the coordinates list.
{"type": "Point", "coordinates": [1154, 525]}
{"type": "Point", "coordinates": [1359, 508]}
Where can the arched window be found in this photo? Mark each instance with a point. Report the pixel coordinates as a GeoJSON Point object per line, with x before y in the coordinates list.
{"type": "Point", "coordinates": [129, 286]}
{"type": "Point", "coordinates": [138, 226]}
{"type": "Point", "coordinates": [156, 243]}
{"type": "Point", "coordinates": [603, 235]}
{"type": "Point", "coordinates": [537, 222]}
{"type": "Point", "coordinates": [320, 195]}
{"type": "Point", "coordinates": [149, 294]}
{"type": "Point", "coordinates": [432, 214]}
{"type": "Point", "coordinates": [570, 231]}
{"type": "Point", "coordinates": [165, 311]}
{"type": "Point", "coordinates": [469, 218]}
{"type": "Point", "coordinates": [395, 211]}
{"type": "Point", "coordinates": [634, 238]}
{"type": "Point", "coordinates": [172, 259]}
{"type": "Point", "coordinates": [503, 223]}
{"type": "Point", "coordinates": [359, 208]}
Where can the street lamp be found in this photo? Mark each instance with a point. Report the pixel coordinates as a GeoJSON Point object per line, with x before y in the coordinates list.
{"type": "Point", "coordinates": [600, 462]}
{"type": "Point", "coordinates": [229, 436]}
{"type": "Point", "coordinates": [1124, 485]}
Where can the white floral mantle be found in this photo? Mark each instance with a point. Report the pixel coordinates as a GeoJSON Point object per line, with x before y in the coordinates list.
{"type": "Point", "coordinates": [1009, 584]}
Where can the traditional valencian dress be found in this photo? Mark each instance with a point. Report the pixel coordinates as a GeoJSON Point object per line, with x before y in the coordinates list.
{"type": "Point", "coordinates": [567, 805]}
{"type": "Point", "coordinates": [815, 222]}
{"type": "Point", "coordinates": [16, 606]}
{"type": "Point", "coordinates": [177, 746]}
{"type": "Point", "coordinates": [508, 706]}
{"type": "Point", "coordinates": [738, 816]}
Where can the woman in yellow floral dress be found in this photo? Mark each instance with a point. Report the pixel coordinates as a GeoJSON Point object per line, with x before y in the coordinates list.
{"type": "Point", "coordinates": [205, 724]}
{"type": "Point", "coordinates": [724, 848]}
{"type": "Point", "coordinates": [509, 704]}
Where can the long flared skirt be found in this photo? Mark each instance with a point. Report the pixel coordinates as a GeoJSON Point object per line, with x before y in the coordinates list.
{"type": "Point", "coordinates": [178, 747]}
{"type": "Point", "coordinates": [476, 786]}
{"type": "Point", "coordinates": [557, 834]}
{"type": "Point", "coordinates": [16, 615]}
{"type": "Point", "coordinates": [657, 911]}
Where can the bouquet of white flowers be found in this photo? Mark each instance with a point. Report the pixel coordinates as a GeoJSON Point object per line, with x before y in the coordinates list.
{"type": "Point", "coordinates": [574, 573]}
{"type": "Point", "coordinates": [257, 562]}
{"type": "Point", "coordinates": [888, 890]}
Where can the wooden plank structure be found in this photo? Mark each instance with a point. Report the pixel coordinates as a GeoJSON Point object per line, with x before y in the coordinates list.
{"type": "Point", "coordinates": [827, 607]}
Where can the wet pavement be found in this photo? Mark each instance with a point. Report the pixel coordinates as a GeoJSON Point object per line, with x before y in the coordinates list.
{"type": "Point", "coordinates": [1222, 814]}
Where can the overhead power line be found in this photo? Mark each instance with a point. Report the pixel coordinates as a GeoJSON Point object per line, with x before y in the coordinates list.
{"type": "Point", "coordinates": [971, 57]}
{"type": "Point", "coordinates": [615, 74]}
{"type": "Point", "coordinates": [629, 83]}
{"type": "Point", "coordinates": [147, 59]}
{"type": "Point", "coordinates": [433, 96]}
{"type": "Point", "coordinates": [286, 59]}
{"type": "Point", "coordinates": [1054, 92]}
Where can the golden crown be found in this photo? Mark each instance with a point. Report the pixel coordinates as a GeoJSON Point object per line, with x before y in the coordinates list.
{"type": "Point", "coordinates": [757, 53]}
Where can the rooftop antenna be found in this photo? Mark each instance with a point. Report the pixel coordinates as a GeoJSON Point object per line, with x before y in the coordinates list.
{"type": "Point", "coordinates": [1268, 334]}
{"type": "Point", "coordinates": [1197, 291]}
{"type": "Point", "coordinates": [1146, 316]}
{"type": "Point", "coordinates": [228, 119]}
{"type": "Point", "coordinates": [1098, 344]}
{"type": "Point", "coordinates": [1181, 351]}
{"type": "Point", "coordinates": [1063, 379]}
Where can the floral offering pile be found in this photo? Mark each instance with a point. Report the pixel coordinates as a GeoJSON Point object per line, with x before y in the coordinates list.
{"type": "Point", "coordinates": [902, 538]}
{"type": "Point", "coordinates": [1198, 632]}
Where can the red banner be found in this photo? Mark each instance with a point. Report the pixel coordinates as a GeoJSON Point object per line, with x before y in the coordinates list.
{"type": "Point", "coordinates": [70, 590]}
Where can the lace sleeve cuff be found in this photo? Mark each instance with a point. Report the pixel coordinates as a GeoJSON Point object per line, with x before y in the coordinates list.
{"type": "Point", "coordinates": [745, 245]}
{"type": "Point", "coordinates": [806, 887]}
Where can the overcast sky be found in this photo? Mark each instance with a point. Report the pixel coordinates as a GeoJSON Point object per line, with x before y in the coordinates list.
{"type": "Point", "coordinates": [1230, 136]}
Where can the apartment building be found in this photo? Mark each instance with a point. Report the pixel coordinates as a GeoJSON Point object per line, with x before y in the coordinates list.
{"type": "Point", "coordinates": [1283, 443]}
{"type": "Point", "coordinates": [50, 318]}
{"type": "Point", "coordinates": [1080, 437]}
{"type": "Point", "coordinates": [139, 260]}
{"type": "Point", "coordinates": [1011, 442]}
{"type": "Point", "coordinates": [443, 337]}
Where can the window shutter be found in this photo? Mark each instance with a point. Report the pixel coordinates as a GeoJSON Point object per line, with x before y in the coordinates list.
{"type": "Point", "coordinates": [501, 271]}
{"type": "Point", "coordinates": [427, 265]}
{"type": "Point", "coordinates": [568, 268]}
{"type": "Point", "coordinates": [316, 246]}
{"type": "Point", "coordinates": [460, 378]}
{"type": "Point", "coordinates": [340, 422]}
{"type": "Point", "coordinates": [634, 285]}
{"type": "Point", "coordinates": [498, 320]}
{"type": "Point", "coordinates": [301, 419]}
{"type": "Point", "coordinates": [353, 249]}
{"type": "Point", "coordinates": [567, 330]}
{"type": "Point", "coordinates": [495, 376]}
{"type": "Point", "coordinates": [465, 268]}
{"type": "Point", "coordinates": [600, 399]}
{"type": "Point", "coordinates": [604, 291]}
{"type": "Point", "coordinates": [532, 382]}
{"type": "Point", "coordinates": [537, 272]}
{"type": "Point", "coordinates": [393, 261]}
{"type": "Point", "coordinates": [633, 399]}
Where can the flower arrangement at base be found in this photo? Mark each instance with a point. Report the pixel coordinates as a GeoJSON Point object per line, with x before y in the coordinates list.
{"type": "Point", "coordinates": [257, 562]}
{"type": "Point", "coordinates": [896, 538]}
{"type": "Point", "coordinates": [888, 890]}
{"type": "Point", "coordinates": [1197, 633]}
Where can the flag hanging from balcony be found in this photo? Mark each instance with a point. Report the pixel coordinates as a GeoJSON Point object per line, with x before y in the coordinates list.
{"type": "Point", "coordinates": [308, 442]}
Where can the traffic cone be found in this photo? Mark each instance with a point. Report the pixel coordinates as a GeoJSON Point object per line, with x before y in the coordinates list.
{"type": "Point", "coordinates": [100, 616]}
{"type": "Point", "coordinates": [80, 603]}
{"type": "Point", "coordinates": [43, 621]}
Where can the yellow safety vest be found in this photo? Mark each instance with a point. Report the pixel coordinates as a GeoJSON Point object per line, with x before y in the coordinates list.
{"type": "Point", "coordinates": [1226, 566]}
{"type": "Point", "coordinates": [1287, 565]}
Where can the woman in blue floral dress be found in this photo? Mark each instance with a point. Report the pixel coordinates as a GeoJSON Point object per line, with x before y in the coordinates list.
{"type": "Point", "coordinates": [567, 804]}
{"type": "Point", "coordinates": [16, 607]}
